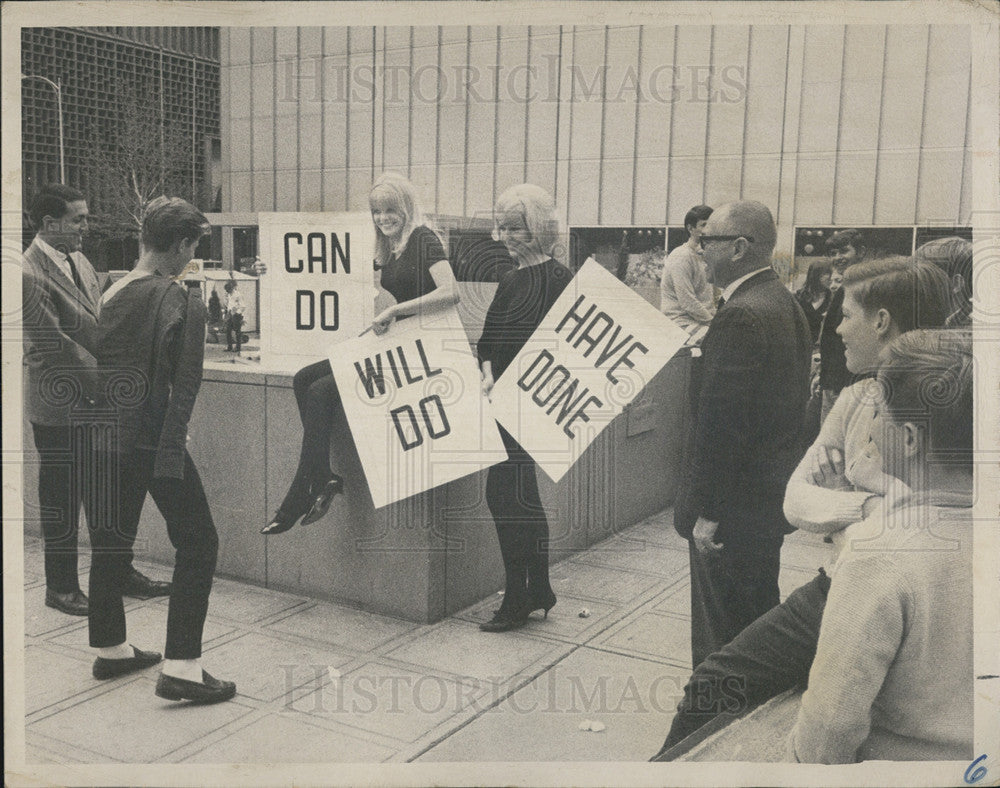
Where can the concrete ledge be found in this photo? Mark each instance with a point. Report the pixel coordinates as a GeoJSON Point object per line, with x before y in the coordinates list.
{"type": "Point", "coordinates": [758, 736]}
{"type": "Point", "coordinates": [422, 558]}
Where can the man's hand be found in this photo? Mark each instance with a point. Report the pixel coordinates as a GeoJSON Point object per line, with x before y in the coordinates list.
{"type": "Point", "coordinates": [827, 467]}
{"type": "Point", "coordinates": [704, 537]}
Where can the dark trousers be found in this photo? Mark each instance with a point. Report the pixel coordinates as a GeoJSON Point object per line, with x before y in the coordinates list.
{"type": "Point", "coordinates": [234, 324]}
{"type": "Point", "coordinates": [126, 480]}
{"type": "Point", "coordinates": [63, 477]}
{"type": "Point", "coordinates": [771, 655]}
{"type": "Point", "coordinates": [317, 398]}
{"type": "Point", "coordinates": [522, 528]}
{"type": "Point", "coordinates": [731, 589]}
{"type": "Point", "coordinates": [685, 510]}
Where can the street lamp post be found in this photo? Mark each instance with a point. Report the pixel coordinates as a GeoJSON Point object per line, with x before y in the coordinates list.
{"type": "Point", "coordinates": [62, 150]}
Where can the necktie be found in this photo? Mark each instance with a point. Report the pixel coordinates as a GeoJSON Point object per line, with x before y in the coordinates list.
{"type": "Point", "coordinates": [76, 274]}
{"type": "Point", "coordinates": [722, 303]}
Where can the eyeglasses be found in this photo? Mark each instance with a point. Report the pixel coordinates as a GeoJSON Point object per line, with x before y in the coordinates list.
{"type": "Point", "coordinates": [709, 238]}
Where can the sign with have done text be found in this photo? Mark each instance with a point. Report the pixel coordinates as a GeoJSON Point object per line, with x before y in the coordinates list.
{"type": "Point", "coordinates": [319, 287]}
{"type": "Point", "coordinates": [592, 354]}
{"type": "Point", "coordinates": [415, 407]}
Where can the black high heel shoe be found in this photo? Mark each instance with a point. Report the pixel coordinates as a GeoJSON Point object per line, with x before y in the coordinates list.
{"type": "Point", "coordinates": [506, 620]}
{"type": "Point", "coordinates": [322, 503]}
{"type": "Point", "coordinates": [545, 601]}
{"type": "Point", "coordinates": [279, 524]}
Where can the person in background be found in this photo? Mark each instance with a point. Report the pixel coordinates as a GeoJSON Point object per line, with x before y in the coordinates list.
{"type": "Point", "coordinates": [754, 388]}
{"type": "Point", "coordinates": [845, 248]}
{"type": "Point", "coordinates": [526, 223]}
{"type": "Point", "coordinates": [838, 482]}
{"type": "Point", "coordinates": [685, 292]}
{"type": "Point", "coordinates": [892, 678]}
{"type": "Point", "coordinates": [214, 307]}
{"type": "Point", "coordinates": [814, 296]}
{"type": "Point", "coordinates": [414, 269]}
{"type": "Point", "coordinates": [60, 299]}
{"type": "Point", "coordinates": [234, 316]}
{"type": "Point", "coordinates": [150, 349]}
{"type": "Point", "coordinates": [953, 256]}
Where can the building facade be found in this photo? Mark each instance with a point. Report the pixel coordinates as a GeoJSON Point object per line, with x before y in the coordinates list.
{"type": "Point", "coordinates": [629, 126]}
{"type": "Point", "coordinates": [158, 86]}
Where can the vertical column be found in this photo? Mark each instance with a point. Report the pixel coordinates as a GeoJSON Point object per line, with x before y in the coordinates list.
{"type": "Point", "coordinates": [784, 211]}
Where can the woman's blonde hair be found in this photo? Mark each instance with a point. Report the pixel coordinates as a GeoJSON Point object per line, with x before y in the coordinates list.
{"type": "Point", "coordinates": [539, 211]}
{"type": "Point", "coordinates": [391, 191]}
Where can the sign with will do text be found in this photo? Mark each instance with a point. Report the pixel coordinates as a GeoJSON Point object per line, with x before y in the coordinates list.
{"type": "Point", "coordinates": [414, 404]}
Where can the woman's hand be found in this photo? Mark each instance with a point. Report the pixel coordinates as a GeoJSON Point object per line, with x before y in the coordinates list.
{"type": "Point", "coordinates": [383, 320]}
{"type": "Point", "coordinates": [486, 380]}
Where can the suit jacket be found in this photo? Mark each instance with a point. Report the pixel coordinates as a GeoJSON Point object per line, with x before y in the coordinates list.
{"type": "Point", "coordinates": [833, 372]}
{"type": "Point", "coordinates": [754, 389]}
{"type": "Point", "coordinates": [59, 322]}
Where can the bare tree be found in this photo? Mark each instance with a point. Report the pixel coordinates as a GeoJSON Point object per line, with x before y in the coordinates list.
{"type": "Point", "coordinates": [131, 156]}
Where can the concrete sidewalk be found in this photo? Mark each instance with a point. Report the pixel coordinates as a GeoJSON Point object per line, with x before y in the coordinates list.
{"type": "Point", "coordinates": [320, 682]}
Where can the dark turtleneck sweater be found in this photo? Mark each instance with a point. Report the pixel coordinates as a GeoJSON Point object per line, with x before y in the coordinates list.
{"type": "Point", "coordinates": [150, 349]}
{"type": "Point", "coordinates": [522, 299]}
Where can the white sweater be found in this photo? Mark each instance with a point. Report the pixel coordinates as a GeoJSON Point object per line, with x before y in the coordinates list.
{"type": "Point", "coordinates": [893, 674]}
{"type": "Point", "coordinates": [848, 427]}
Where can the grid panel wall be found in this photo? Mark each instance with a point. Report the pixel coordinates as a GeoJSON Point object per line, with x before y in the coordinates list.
{"type": "Point", "coordinates": [92, 65]}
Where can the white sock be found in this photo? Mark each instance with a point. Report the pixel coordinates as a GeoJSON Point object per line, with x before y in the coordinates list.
{"type": "Point", "coordinates": [121, 651]}
{"type": "Point", "coordinates": [187, 669]}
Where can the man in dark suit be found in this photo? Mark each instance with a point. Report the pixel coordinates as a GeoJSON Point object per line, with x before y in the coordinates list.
{"type": "Point", "coordinates": [753, 392]}
{"type": "Point", "coordinates": [60, 299]}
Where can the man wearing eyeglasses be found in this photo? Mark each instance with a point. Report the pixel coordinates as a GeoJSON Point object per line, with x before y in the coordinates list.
{"type": "Point", "coordinates": [754, 388]}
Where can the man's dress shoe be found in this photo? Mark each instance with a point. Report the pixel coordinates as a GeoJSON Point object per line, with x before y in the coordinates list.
{"type": "Point", "coordinates": [141, 587]}
{"type": "Point", "coordinates": [75, 603]}
{"type": "Point", "coordinates": [208, 690]}
{"type": "Point", "coordinates": [110, 668]}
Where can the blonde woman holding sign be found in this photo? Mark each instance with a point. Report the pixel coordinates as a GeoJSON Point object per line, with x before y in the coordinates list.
{"type": "Point", "coordinates": [414, 269]}
{"type": "Point", "coordinates": [526, 224]}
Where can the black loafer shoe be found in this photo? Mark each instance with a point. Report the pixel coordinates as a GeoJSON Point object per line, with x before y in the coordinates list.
{"type": "Point", "coordinates": [73, 603]}
{"type": "Point", "coordinates": [322, 503]}
{"type": "Point", "coordinates": [110, 668]}
{"type": "Point", "coordinates": [209, 690]}
{"type": "Point", "coordinates": [142, 587]}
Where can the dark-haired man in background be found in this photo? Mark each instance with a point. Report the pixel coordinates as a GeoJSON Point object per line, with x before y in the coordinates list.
{"type": "Point", "coordinates": [844, 248]}
{"type": "Point", "coordinates": [60, 300]}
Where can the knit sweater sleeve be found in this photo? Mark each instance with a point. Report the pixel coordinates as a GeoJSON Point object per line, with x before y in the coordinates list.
{"type": "Point", "coordinates": [863, 626]}
{"type": "Point", "coordinates": [182, 346]}
{"type": "Point", "coordinates": [492, 339]}
{"type": "Point", "coordinates": [821, 509]}
{"type": "Point", "coordinates": [690, 290]}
